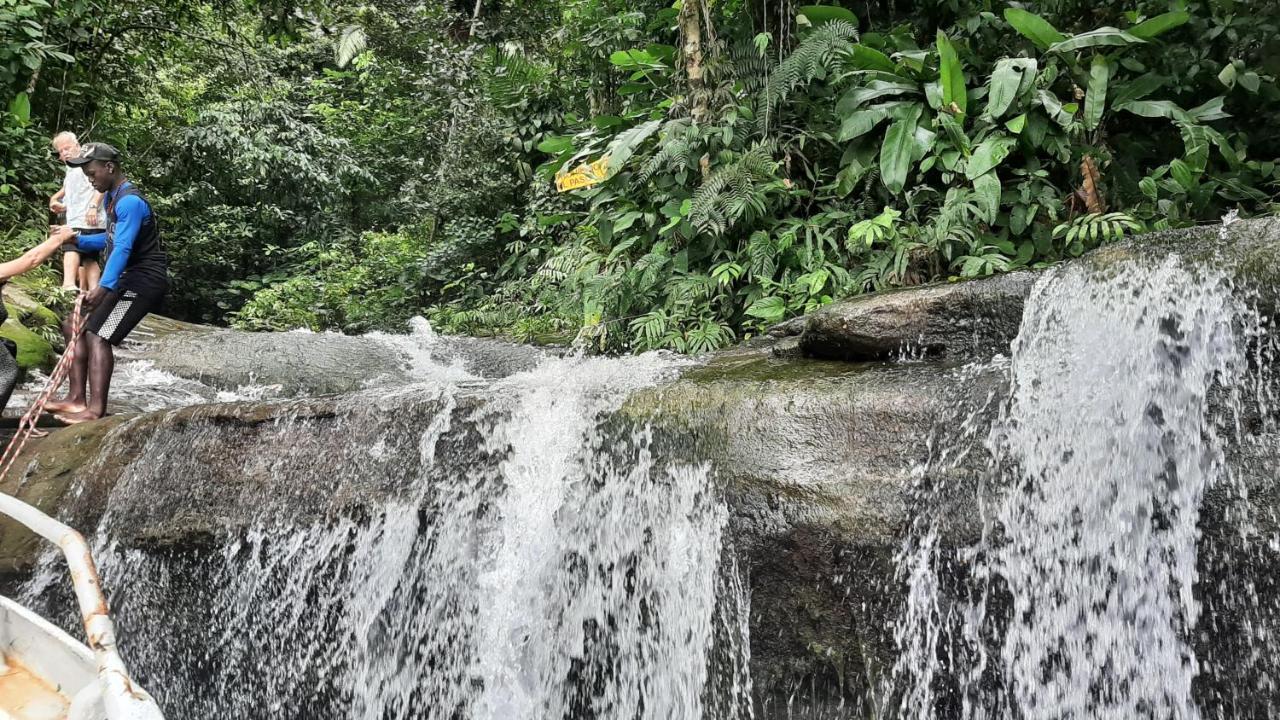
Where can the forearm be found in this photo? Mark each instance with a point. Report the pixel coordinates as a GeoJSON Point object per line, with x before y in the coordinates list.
{"type": "Point", "coordinates": [30, 260]}
{"type": "Point", "coordinates": [91, 242]}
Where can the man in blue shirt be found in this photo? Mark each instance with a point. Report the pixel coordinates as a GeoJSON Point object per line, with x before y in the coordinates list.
{"type": "Point", "coordinates": [134, 282]}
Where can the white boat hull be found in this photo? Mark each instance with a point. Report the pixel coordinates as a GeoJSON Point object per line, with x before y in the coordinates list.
{"type": "Point", "coordinates": [45, 674]}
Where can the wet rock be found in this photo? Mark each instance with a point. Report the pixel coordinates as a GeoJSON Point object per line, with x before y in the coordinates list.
{"type": "Point", "coordinates": [818, 460]}
{"type": "Point", "coordinates": [978, 318]}
{"type": "Point", "coordinates": [299, 363]}
{"type": "Point", "coordinates": [788, 328]}
{"type": "Point", "coordinates": [58, 475]}
{"type": "Point", "coordinates": [194, 476]}
{"type": "Point", "coordinates": [28, 323]}
{"type": "Point", "coordinates": [962, 319]}
{"type": "Point", "coordinates": [304, 363]}
{"type": "Point", "coordinates": [488, 358]}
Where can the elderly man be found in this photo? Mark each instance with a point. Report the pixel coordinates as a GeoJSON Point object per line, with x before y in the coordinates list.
{"type": "Point", "coordinates": [81, 203]}
{"type": "Point", "coordinates": [134, 283]}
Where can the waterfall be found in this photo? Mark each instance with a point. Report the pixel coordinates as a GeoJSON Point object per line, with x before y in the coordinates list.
{"type": "Point", "coordinates": [1081, 597]}
{"type": "Point", "coordinates": [535, 557]}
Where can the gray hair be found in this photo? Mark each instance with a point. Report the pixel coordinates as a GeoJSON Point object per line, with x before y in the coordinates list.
{"type": "Point", "coordinates": [65, 135]}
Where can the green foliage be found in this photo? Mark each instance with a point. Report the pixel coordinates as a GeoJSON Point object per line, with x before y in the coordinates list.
{"type": "Point", "coordinates": [350, 166]}
{"type": "Point", "coordinates": [873, 164]}
{"type": "Point", "coordinates": [1034, 27]}
{"type": "Point", "coordinates": [1089, 231]}
{"type": "Point", "coordinates": [353, 287]}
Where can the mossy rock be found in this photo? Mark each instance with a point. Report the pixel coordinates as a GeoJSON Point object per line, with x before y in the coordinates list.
{"type": "Point", "coordinates": [40, 317]}
{"type": "Point", "coordinates": [33, 351]}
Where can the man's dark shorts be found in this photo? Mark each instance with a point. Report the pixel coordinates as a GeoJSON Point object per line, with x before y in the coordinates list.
{"type": "Point", "coordinates": [117, 316]}
{"type": "Point", "coordinates": [86, 256]}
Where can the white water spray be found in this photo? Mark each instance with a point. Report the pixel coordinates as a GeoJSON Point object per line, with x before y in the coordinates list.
{"type": "Point", "coordinates": [1085, 574]}
{"type": "Point", "coordinates": [538, 560]}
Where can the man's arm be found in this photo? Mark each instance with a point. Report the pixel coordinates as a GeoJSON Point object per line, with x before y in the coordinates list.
{"type": "Point", "coordinates": [91, 242]}
{"type": "Point", "coordinates": [130, 212]}
{"type": "Point", "coordinates": [55, 202]}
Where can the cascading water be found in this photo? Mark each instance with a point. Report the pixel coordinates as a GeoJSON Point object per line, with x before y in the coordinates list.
{"type": "Point", "coordinates": [1081, 599]}
{"type": "Point", "coordinates": [534, 558]}
{"type": "Point", "coordinates": [1091, 536]}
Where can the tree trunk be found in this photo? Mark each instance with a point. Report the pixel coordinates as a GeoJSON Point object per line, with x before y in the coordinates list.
{"type": "Point", "coordinates": [475, 17]}
{"type": "Point", "coordinates": [692, 32]}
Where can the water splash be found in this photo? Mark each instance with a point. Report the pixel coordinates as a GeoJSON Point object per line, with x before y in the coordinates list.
{"type": "Point", "coordinates": [1078, 601]}
{"type": "Point", "coordinates": [535, 557]}
{"type": "Point", "coordinates": [420, 348]}
{"type": "Point", "coordinates": [1231, 218]}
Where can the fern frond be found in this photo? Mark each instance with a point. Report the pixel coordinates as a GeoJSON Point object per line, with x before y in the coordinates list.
{"type": "Point", "coordinates": [1096, 228]}
{"type": "Point", "coordinates": [351, 43]}
{"type": "Point", "coordinates": [734, 192]}
{"type": "Point", "coordinates": [812, 58]}
{"type": "Point", "coordinates": [749, 69]}
{"type": "Point", "coordinates": [869, 200]}
{"type": "Point", "coordinates": [513, 77]}
{"type": "Point", "coordinates": [675, 151]}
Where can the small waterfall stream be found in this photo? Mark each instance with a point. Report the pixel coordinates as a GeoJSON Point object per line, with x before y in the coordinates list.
{"type": "Point", "coordinates": [1092, 534]}
{"type": "Point", "coordinates": [532, 559]}
{"type": "Point", "coordinates": [1082, 597]}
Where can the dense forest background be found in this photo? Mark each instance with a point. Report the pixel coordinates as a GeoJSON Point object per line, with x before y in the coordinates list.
{"type": "Point", "coordinates": [347, 166]}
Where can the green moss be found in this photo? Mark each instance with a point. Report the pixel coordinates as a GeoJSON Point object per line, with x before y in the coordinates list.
{"type": "Point", "coordinates": [33, 350]}
{"type": "Point", "coordinates": [41, 317]}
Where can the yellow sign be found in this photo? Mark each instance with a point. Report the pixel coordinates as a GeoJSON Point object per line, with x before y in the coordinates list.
{"type": "Point", "coordinates": [584, 175]}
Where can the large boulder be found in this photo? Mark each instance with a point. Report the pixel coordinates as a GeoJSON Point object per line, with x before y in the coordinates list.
{"type": "Point", "coordinates": [303, 363]}
{"type": "Point", "coordinates": [818, 460]}
{"type": "Point", "coordinates": [977, 318]}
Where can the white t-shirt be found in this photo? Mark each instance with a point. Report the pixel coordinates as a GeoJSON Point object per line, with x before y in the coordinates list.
{"type": "Point", "coordinates": [78, 196]}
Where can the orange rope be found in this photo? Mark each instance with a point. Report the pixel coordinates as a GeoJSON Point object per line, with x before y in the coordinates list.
{"type": "Point", "coordinates": [27, 425]}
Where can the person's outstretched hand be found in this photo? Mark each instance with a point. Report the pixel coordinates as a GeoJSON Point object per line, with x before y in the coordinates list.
{"type": "Point", "coordinates": [96, 297]}
{"type": "Point", "coordinates": [62, 233]}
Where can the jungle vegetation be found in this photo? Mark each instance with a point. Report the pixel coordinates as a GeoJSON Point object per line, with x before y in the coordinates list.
{"type": "Point", "coordinates": [335, 165]}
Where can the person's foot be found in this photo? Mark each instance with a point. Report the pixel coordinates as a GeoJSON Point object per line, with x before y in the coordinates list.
{"type": "Point", "coordinates": [75, 418]}
{"type": "Point", "coordinates": [53, 407]}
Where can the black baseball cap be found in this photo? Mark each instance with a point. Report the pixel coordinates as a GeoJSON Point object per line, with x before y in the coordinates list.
{"type": "Point", "coordinates": [95, 151]}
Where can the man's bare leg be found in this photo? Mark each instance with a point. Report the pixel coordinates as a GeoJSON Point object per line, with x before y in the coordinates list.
{"type": "Point", "coordinates": [75, 400]}
{"type": "Point", "coordinates": [102, 362]}
{"type": "Point", "coordinates": [92, 274]}
{"type": "Point", "coordinates": [70, 270]}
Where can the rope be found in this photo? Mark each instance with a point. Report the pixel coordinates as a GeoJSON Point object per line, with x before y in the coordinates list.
{"type": "Point", "coordinates": [27, 425]}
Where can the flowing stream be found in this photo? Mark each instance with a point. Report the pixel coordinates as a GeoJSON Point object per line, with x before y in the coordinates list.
{"type": "Point", "coordinates": [533, 558]}
{"type": "Point", "coordinates": [1082, 542]}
